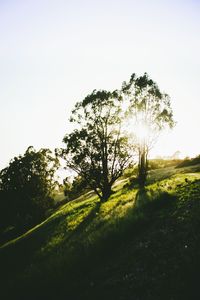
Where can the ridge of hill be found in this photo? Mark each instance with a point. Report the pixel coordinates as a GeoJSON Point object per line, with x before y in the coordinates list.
{"type": "Point", "coordinates": [138, 245]}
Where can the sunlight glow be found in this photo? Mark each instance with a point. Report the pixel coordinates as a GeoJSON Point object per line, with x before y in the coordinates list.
{"type": "Point", "coordinates": [142, 131]}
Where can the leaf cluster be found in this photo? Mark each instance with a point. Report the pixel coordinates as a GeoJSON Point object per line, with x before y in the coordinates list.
{"type": "Point", "coordinates": [148, 103]}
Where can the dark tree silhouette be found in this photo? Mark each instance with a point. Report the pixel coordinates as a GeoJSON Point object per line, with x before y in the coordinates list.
{"type": "Point", "coordinates": [150, 111]}
{"type": "Point", "coordinates": [97, 150]}
{"type": "Point", "coordinates": [26, 186]}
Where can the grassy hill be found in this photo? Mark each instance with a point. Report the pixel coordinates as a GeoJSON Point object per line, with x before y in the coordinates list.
{"type": "Point", "coordinates": [138, 245]}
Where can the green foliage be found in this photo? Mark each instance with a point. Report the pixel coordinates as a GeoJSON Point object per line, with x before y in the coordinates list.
{"type": "Point", "coordinates": [76, 188]}
{"type": "Point", "coordinates": [150, 110]}
{"type": "Point", "coordinates": [26, 186]}
{"type": "Point", "coordinates": [98, 150]}
{"type": "Point", "coordinates": [147, 100]}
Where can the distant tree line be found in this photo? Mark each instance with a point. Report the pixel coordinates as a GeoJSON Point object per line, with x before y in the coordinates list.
{"type": "Point", "coordinates": [189, 162]}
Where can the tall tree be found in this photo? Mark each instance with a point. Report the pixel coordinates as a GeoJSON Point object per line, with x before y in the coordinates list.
{"type": "Point", "coordinates": [97, 150]}
{"type": "Point", "coordinates": [150, 112]}
{"type": "Point", "coordinates": [26, 186]}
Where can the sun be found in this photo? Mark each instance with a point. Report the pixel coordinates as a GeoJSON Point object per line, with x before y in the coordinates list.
{"type": "Point", "coordinates": [138, 130]}
{"type": "Point", "coordinates": [142, 131]}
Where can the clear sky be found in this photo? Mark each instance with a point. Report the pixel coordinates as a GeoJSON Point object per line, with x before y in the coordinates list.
{"type": "Point", "coordinates": [53, 53]}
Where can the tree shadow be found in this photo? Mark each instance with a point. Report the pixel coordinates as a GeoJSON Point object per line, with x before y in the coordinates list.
{"type": "Point", "coordinates": [141, 198]}
{"type": "Point", "coordinates": [87, 220]}
{"type": "Point", "coordinates": [149, 202]}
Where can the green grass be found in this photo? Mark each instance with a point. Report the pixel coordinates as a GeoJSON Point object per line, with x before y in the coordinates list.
{"type": "Point", "coordinates": [137, 245]}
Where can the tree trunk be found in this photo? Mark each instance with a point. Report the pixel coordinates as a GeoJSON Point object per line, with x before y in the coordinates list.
{"type": "Point", "coordinates": [106, 192]}
{"type": "Point", "coordinates": [142, 167]}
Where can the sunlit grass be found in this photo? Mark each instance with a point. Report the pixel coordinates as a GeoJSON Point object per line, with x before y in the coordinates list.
{"type": "Point", "coordinates": [72, 214]}
{"type": "Point", "coordinates": [81, 230]}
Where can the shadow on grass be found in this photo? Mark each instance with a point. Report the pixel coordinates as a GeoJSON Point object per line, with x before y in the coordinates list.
{"type": "Point", "coordinates": [147, 199]}
{"type": "Point", "coordinates": [141, 198]}
{"type": "Point", "coordinates": [87, 220]}
{"type": "Point", "coordinates": [83, 259]}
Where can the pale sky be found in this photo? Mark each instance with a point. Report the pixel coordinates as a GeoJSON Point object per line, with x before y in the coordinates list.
{"type": "Point", "coordinates": [54, 53]}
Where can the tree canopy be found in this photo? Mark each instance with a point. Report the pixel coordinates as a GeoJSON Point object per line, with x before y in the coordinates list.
{"type": "Point", "coordinates": [98, 150]}
{"type": "Point", "coordinates": [26, 186]}
{"type": "Point", "coordinates": [149, 111]}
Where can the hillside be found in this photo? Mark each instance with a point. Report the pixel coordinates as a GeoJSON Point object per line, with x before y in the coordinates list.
{"type": "Point", "coordinates": [138, 245]}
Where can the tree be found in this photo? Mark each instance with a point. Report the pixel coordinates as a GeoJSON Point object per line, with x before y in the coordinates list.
{"type": "Point", "coordinates": [150, 111]}
{"type": "Point", "coordinates": [75, 188]}
{"type": "Point", "coordinates": [26, 186]}
{"type": "Point", "coordinates": [97, 150]}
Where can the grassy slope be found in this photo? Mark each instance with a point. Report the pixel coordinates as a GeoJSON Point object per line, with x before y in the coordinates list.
{"type": "Point", "coordinates": [138, 245]}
